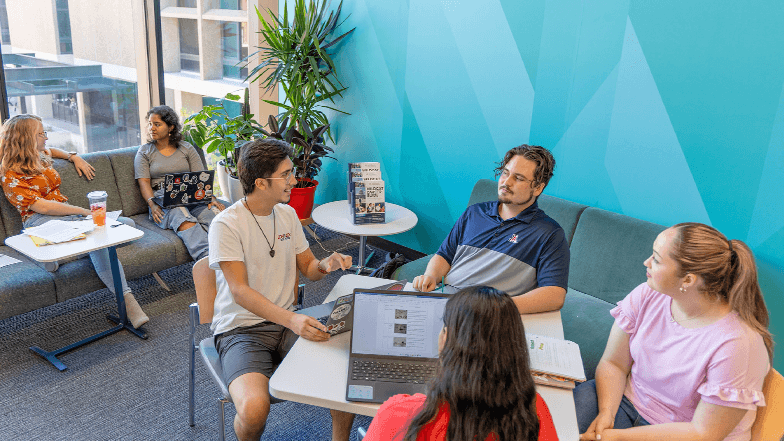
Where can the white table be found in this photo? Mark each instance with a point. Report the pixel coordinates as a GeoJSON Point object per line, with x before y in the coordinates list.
{"type": "Point", "coordinates": [315, 373]}
{"type": "Point", "coordinates": [335, 216]}
{"type": "Point", "coordinates": [109, 236]}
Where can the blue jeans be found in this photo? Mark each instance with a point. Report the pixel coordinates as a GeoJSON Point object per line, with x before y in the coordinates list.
{"type": "Point", "coordinates": [100, 258]}
{"type": "Point", "coordinates": [195, 237]}
{"type": "Point", "coordinates": [586, 404]}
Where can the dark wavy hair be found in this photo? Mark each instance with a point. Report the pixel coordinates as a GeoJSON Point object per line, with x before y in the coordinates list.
{"type": "Point", "coordinates": [545, 163]}
{"type": "Point", "coordinates": [259, 159]}
{"type": "Point", "coordinates": [484, 375]}
{"type": "Point", "coordinates": [169, 116]}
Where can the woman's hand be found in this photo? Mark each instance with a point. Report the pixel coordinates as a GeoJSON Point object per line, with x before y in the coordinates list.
{"type": "Point", "coordinates": [605, 420]}
{"type": "Point", "coordinates": [215, 203]}
{"type": "Point", "coordinates": [83, 167]}
{"type": "Point", "coordinates": [157, 213]}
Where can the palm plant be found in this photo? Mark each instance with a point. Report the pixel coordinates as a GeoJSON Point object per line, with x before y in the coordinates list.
{"type": "Point", "coordinates": [296, 58]}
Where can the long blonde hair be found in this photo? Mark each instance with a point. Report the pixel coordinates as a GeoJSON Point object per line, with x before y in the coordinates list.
{"type": "Point", "coordinates": [727, 270]}
{"type": "Point", "coordinates": [18, 142]}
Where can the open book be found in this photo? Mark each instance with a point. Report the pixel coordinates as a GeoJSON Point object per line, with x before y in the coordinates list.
{"type": "Point", "coordinates": [555, 362]}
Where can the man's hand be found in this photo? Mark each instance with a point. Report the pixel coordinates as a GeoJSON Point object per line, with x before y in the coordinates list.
{"type": "Point", "coordinates": [604, 420]}
{"type": "Point", "coordinates": [83, 168]}
{"type": "Point", "coordinates": [308, 328]}
{"type": "Point", "coordinates": [424, 283]}
{"type": "Point", "coordinates": [335, 261]}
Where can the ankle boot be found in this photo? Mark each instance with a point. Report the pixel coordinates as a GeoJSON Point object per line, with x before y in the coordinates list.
{"type": "Point", "coordinates": [134, 311]}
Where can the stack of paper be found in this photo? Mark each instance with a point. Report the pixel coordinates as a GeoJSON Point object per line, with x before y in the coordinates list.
{"type": "Point", "coordinates": [58, 231]}
{"type": "Point", "coordinates": [555, 362]}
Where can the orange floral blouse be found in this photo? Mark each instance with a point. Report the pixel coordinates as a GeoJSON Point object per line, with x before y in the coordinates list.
{"type": "Point", "coordinates": [22, 191]}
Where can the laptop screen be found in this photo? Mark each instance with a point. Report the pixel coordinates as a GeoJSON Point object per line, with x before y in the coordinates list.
{"type": "Point", "coordinates": [404, 325]}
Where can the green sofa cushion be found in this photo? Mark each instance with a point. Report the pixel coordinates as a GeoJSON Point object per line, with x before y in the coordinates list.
{"type": "Point", "coordinates": [607, 253]}
{"type": "Point", "coordinates": [587, 322]}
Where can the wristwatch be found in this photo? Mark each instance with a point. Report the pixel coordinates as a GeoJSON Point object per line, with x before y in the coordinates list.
{"type": "Point", "coordinates": [69, 156]}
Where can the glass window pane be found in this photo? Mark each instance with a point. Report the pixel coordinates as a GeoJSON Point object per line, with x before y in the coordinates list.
{"type": "Point", "coordinates": [234, 40]}
{"type": "Point", "coordinates": [82, 83]}
{"type": "Point", "coordinates": [189, 44]}
{"type": "Point", "coordinates": [186, 3]}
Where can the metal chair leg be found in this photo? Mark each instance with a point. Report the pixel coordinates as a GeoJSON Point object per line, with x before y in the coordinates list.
{"type": "Point", "coordinates": [193, 312]}
{"type": "Point", "coordinates": [222, 434]}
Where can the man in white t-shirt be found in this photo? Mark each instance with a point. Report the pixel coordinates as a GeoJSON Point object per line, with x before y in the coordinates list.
{"type": "Point", "coordinates": [256, 247]}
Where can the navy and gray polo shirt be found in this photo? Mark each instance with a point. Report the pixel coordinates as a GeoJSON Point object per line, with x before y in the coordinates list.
{"type": "Point", "coordinates": [514, 255]}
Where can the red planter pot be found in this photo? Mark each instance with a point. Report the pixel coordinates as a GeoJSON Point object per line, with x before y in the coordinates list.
{"type": "Point", "coordinates": [302, 199]}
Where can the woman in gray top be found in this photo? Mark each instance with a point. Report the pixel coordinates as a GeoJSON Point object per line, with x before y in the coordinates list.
{"type": "Point", "coordinates": [167, 153]}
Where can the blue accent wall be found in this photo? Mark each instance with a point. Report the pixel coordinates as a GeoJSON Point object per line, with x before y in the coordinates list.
{"type": "Point", "coordinates": [668, 111]}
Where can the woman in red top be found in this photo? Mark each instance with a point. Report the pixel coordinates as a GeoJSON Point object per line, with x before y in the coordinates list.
{"type": "Point", "coordinates": [483, 389]}
{"type": "Point", "coordinates": [32, 185]}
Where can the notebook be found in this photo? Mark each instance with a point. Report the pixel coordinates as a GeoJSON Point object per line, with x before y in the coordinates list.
{"type": "Point", "coordinates": [189, 188]}
{"type": "Point", "coordinates": [335, 315]}
{"type": "Point", "coordinates": [394, 343]}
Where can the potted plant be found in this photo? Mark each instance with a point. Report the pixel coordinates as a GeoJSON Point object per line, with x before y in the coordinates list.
{"type": "Point", "coordinates": [296, 57]}
{"type": "Point", "coordinates": [215, 131]}
{"type": "Point", "coordinates": [308, 151]}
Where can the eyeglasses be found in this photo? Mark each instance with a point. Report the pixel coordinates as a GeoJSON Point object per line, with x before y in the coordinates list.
{"type": "Point", "coordinates": [286, 177]}
{"type": "Point", "coordinates": [43, 134]}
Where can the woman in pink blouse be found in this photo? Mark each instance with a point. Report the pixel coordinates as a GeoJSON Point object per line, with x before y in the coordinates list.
{"type": "Point", "coordinates": [689, 349]}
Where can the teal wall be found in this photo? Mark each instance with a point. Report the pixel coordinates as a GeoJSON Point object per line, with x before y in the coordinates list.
{"type": "Point", "coordinates": [668, 111]}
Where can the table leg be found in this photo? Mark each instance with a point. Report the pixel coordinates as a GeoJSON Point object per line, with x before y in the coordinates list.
{"type": "Point", "coordinates": [362, 261]}
{"type": "Point", "coordinates": [122, 321]}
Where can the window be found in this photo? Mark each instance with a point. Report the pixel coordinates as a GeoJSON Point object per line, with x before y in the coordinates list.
{"type": "Point", "coordinates": [234, 40]}
{"type": "Point", "coordinates": [189, 45]}
{"type": "Point", "coordinates": [82, 84]}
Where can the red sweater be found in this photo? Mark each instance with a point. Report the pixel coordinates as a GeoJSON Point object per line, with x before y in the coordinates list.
{"type": "Point", "coordinates": [392, 419]}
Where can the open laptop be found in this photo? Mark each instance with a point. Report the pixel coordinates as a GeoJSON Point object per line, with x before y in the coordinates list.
{"type": "Point", "coordinates": [186, 189]}
{"type": "Point", "coordinates": [336, 315]}
{"type": "Point", "coordinates": [394, 343]}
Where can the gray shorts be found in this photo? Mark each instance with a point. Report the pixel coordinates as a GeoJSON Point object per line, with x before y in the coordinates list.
{"type": "Point", "coordinates": [258, 348]}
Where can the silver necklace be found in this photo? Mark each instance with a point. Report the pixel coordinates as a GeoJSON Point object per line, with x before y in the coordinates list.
{"type": "Point", "coordinates": [672, 317]}
{"type": "Point", "coordinates": [274, 227]}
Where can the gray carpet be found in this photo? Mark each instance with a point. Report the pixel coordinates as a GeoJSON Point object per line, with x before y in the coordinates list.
{"type": "Point", "coordinates": [125, 388]}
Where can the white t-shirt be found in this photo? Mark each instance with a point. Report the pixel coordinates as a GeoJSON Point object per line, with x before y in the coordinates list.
{"type": "Point", "coordinates": [235, 237]}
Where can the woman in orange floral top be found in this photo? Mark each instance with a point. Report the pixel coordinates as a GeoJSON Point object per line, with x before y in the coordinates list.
{"type": "Point", "coordinates": [32, 185]}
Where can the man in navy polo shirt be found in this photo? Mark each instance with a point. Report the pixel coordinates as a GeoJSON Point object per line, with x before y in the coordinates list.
{"type": "Point", "coordinates": [509, 244]}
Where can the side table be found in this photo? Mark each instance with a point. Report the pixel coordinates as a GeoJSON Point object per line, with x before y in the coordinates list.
{"type": "Point", "coordinates": [109, 236]}
{"type": "Point", "coordinates": [335, 216]}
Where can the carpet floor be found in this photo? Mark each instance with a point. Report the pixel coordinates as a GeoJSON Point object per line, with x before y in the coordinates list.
{"type": "Point", "coordinates": [125, 388]}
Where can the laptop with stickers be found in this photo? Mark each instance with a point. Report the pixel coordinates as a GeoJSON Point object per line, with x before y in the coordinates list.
{"type": "Point", "coordinates": [336, 316]}
{"type": "Point", "coordinates": [186, 189]}
{"type": "Point", "coordinates": [394, 343]}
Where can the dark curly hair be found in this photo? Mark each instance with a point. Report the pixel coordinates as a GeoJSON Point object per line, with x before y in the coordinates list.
{"type": "Point", "coordinates": [169, 116]}
{"type": "Point", "coordinates": [545, 163]}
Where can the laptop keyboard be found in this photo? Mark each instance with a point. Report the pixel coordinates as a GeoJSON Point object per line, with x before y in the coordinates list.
{"type": "Point", "coordinates": [392, 372]}
{"type": "Point", "coordinates": [323, 320]}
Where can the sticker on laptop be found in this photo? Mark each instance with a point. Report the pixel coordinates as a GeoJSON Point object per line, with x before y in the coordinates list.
{"type": "Point", "coordinates": [344, 299]}
{"type": "Point", "coordinates": [340, 312]}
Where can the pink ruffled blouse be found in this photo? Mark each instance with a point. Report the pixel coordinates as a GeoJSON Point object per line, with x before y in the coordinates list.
{"type": "Point", "coordinates": [724, 363]}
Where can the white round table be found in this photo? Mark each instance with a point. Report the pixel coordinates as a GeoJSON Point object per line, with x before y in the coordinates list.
{"type": "Point", "coordinates": [335, 216]}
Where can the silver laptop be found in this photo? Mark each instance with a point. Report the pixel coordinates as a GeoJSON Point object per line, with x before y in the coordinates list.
{"type": "Point", "coordinates": [394, 343]}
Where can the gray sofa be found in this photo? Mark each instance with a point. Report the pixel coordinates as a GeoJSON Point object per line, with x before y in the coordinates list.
{"type": "Point", "coordinates": [607, 254]}
{"type": "Point", "coordinates": [27, 286]}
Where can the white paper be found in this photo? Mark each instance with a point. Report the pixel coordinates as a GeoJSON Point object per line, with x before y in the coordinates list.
{"type": "Point", "coordinates": [555, 356]}
{"type": "Point", "coordinates": [57, 231]}
{"type": "Point", "coordinates": [7, 260]}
